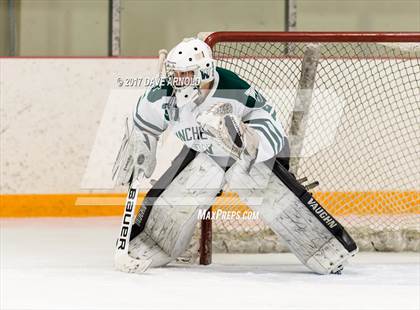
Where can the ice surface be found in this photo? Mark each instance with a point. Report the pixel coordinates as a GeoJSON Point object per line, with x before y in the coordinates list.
{"type": "Point", "coordinates": [67, 264]}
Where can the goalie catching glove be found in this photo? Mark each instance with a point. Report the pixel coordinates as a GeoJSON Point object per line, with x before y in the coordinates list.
{"type": "Point", "coordinates": [137, 153]}
{"type": "Point", "coordinates": [227, 131]}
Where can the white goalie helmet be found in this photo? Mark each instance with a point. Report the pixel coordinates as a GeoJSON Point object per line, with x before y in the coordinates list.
{"type": "Point", "coordinates": [188, 65]}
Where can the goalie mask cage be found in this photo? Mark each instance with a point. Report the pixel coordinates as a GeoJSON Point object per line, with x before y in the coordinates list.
{"type": "Point", "coordinates": [350, 103]}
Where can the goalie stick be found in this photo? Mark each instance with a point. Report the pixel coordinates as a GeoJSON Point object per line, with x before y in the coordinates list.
{"type": "Point", "coordinates": [122, 260]}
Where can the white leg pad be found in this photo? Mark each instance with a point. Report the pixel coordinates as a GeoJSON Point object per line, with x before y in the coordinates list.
{"type": "Point", "coordinates": [287, 216]}
{"type": "Point", "coordinates": [144, 248]}
{"type": "Point", "coordinates": [174, 215]}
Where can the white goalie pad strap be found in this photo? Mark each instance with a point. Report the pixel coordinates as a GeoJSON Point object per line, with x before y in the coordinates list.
{"type": "Point", "coordinates": [172, 220]}
{"type": "Point", "coordinates": [284, 213]}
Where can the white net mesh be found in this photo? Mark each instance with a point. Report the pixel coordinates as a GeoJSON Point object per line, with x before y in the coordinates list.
{"type": "Point", "coordinates": [361, 136]}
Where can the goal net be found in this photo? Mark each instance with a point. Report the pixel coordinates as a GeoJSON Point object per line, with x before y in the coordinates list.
{"type": "Point", "coordinates": [351, 106]}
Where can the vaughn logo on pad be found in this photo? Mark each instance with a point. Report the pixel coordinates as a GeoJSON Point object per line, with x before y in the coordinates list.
{"type": "Point", "coordinates": [313, 204]}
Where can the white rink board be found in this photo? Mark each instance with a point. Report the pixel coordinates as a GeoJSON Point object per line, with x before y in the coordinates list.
{"type": "Point", "coordinates": [62, 121]}
{"type": "Point", "coordinates": [53, 111]}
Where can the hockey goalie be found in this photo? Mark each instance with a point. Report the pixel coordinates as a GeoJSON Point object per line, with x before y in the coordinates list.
{"type": "Point", "coordinates": [232, 140]}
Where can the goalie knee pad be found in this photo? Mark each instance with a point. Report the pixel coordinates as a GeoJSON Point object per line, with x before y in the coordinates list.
{"type": "Point", "coordinates": [312, 234]}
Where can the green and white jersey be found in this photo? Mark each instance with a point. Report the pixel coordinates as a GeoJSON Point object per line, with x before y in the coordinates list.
{"type": "Point", "coordinates": [248, 104]}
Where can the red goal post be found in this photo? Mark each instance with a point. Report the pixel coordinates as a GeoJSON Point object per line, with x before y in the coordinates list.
{"type": "Point", "coordinates": [368, 171]}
